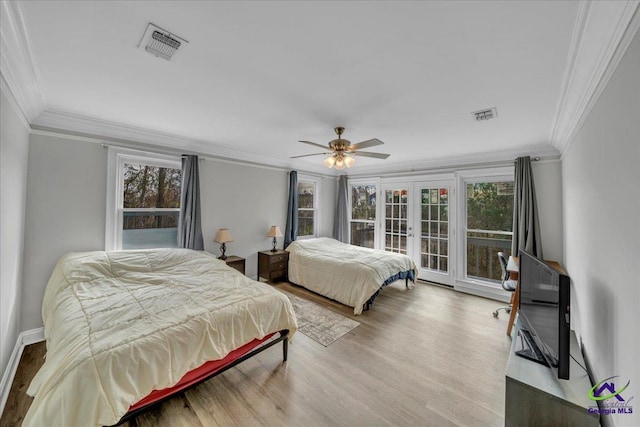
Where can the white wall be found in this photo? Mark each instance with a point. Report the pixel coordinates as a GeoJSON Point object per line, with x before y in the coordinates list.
{"type": "Point", "coordinates": [66, 209]}
{"type": "Point", "coordinates": [248, 200]}
{"type": "Point", "coordinates": [547, 178]}
{"type": "Point", "coordinates": [66, 199]}
{"type": "Point", "coordinates": [601, 179]}
{"type": "Point", "coordinates": [14, 148]}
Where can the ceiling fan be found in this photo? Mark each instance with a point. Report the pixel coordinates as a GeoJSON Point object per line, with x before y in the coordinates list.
{"type": "Point", "coordinates": [342, 151]}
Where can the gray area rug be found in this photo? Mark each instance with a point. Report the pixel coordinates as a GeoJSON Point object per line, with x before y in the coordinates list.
{"type": "Point", "coordinates": [318, 323]}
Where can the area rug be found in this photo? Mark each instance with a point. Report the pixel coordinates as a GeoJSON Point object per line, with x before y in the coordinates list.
{"type": "Point", "coordinates": [318, 323]}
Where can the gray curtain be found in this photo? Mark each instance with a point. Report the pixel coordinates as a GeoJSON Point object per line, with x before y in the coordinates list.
{"type": "Point", "coordinates": [341, 220]}
{"type": "Point", "coordinates": [526, 225]}
{"type": "Point", "coordinates": [190, 225]}
{"type": "Point", "coordinates": [291, 229]}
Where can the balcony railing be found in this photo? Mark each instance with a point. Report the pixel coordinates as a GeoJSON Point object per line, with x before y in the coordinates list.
{"type": "Point", "coordinates": [482, 257]}
{"type": "Point", "coordinates": [149, 228]}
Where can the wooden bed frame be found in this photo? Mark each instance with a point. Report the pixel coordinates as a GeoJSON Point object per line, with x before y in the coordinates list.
{"type": "Point", "coordinates": [207, 371]}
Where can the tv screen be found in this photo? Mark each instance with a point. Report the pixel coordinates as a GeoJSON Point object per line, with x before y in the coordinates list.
{"type": "Point", "coordinates": [544, 313]}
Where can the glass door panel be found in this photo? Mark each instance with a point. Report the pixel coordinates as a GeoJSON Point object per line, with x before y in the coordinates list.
{"type": "Point", "coordinates": [397, 222]}
{"type": "Point", "coordinates": [434, 244]}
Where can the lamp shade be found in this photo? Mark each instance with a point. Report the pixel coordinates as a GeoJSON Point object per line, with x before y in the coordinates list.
{"type": "Point", "coordinates": [330, 161]}
{"type": "Point", "coordinates": [349, 161]}
{"type": "Point", "coordinates": [223, 236]}
{"type": "Point", "coordinates": [274, 231]}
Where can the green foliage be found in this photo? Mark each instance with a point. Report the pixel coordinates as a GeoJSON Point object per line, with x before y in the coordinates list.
{"type": "Point", "coordinates": [490, 208]}
{"type": "Point", "coordinates": [363, 202]}
{"type": "Point", "coordinates": [487, 209]}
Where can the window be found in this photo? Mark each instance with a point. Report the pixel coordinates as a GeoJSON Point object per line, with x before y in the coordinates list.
{"type": "Point", "coordinates": [307, 208]}
{"type": "Point", "coordinates": [144, 207]}
{"type": "Point", "coordinates": [489, 216]}
{"type": "Point", "coordinates": [363, 215]}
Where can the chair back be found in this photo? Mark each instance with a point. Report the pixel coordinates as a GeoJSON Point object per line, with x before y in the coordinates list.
{"type": "Point", "coordinates": [503, 266]}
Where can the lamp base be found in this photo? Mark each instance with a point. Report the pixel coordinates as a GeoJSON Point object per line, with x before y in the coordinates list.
{"type": "Point", "coordinates": [223, 249]}
{"type": "Point", "coordinates": [275, 242]}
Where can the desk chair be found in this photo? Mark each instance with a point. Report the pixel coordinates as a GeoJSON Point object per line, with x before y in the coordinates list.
{"type": "Point", "coordinates": [507, 285]}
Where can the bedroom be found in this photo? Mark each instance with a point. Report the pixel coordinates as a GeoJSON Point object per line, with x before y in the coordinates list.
{"type": "Point", "coordinates": [43, 217]}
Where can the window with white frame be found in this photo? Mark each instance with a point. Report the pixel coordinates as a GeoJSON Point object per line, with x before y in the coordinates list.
{"type": "Point", "coordinates": [363, 215]}
{"type": "Point", "coordinates": [143, 205]}
{"type": "Point", "coordinates": [307, 207]}
{"type": "Point", "coordinates": [489, 217]}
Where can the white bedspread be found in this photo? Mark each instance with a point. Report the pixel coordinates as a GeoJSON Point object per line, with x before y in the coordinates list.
{"type": "Point", "coordinates": [346, 273]}
{"type": "Point", "coordinates": [121, 324]}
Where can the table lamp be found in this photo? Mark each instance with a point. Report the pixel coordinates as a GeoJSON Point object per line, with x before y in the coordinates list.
{"type": "Point", "coordinates": [223, 236]}
{"type": "Point", "coordinates": [274, 232]}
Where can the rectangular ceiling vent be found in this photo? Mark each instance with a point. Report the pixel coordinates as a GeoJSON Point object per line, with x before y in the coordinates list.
{"type": "Point", "coordinates": [160, 43]}
{"type": "Point", "coordinates": [485, 114]}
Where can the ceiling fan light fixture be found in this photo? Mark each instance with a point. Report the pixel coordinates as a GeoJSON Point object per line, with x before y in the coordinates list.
{"type": "Point", "coordinates": [342, 151]}
{"type": "Point", "coordinates": [349, 161]}
{"type": "Point", "coordinates": [330, 161]}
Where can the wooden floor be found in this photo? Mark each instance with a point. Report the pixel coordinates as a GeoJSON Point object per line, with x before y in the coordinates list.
{"type": "Point", "coordinates": [429, 356]}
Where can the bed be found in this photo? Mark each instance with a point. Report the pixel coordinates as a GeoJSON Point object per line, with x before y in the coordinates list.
{"type": "Point", "coordinates": [349, 274]}
{"type": "Point", "coordinates": [121, 326]}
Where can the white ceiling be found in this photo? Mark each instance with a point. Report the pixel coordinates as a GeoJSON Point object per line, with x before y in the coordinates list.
{"type": "Point", "coordinates": [256, 77]}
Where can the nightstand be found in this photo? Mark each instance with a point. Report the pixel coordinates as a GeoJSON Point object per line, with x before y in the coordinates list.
{"type": "Point", "coordinates": [235, 262]}
{"type": "Point", "coordinates": [273, 265]}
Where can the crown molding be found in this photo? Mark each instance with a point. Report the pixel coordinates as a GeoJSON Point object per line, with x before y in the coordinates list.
{"type": "Point", "coordinates": [126, 136]}
{"type": "Point", "coordinates": [601, 35]}
{"type": "Point", "coordinates": [17, 64]}
{"type": "Point", "coordinates": [454, 163]}
{"type": "Point", "coordinates": [75, 126]}
{"type": "Point", "coordinates": [11, 98]}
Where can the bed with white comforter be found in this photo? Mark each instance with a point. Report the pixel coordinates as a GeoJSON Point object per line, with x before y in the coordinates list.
{"type": "Point", "coordinates": [121, 324]}
{"type": "Point", "coordinates": [349, 274]}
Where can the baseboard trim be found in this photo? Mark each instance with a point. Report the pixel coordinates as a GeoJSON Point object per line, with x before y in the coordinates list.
{"type": "Point", "coordinates": [483, 290]}
{"type": "Point", "coordinates": [24, 339]}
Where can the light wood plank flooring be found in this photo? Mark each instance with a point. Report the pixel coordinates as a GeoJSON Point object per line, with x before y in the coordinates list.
{"type": "Point", "coordinates": [428, 356]}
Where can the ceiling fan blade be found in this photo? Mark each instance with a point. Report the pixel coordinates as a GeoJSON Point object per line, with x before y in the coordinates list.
{"type": "Point", "coordinates": [314, 154]}
{"type": "Point", "coordinates": [314, 144]}
{"type": "Point", "coordinates": [368, 154]}
{"type": "Point", "coordinates": [366, 144]}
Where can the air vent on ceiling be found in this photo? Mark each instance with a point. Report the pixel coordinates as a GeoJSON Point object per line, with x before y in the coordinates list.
{"type": "Point", "coordinates": [160, 42]}
{"type": "Point", "coordinates": [485, 114]}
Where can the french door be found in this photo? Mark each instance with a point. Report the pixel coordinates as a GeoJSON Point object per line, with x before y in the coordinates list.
{"type": "Point", "coordinates": [434, 245]}
{"type": "Point", "coordinates": [416, 220]}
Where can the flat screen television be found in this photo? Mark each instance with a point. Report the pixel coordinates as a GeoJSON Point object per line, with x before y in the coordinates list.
{"type": "Point", "coordinates": [544, 314]}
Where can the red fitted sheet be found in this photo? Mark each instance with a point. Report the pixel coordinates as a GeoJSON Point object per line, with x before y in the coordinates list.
{"type": "Point", "coordinates": [198, 374]}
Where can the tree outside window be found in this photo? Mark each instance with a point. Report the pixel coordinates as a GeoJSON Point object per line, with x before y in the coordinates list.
{"type": "Point", "coordinates": [363, 215]}
{"type": "Point", "coordinates": [489, 227]}
{"type": "Point", "coordinates": [150, 206]}
{"type": "Point", "coordinates": [306, 209]}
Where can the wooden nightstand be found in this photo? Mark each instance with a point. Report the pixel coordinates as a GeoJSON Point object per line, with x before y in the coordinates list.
{"type": "Point", "coordinates": [235, 262]}
{"type": "Point", "coordinates": [273, 265]}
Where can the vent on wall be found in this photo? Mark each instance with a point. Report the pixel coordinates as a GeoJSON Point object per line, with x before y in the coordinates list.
{"type": "Point", "coordinates": [160, 42]}
{"type": "Point", "coordinates": [485, 114]}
